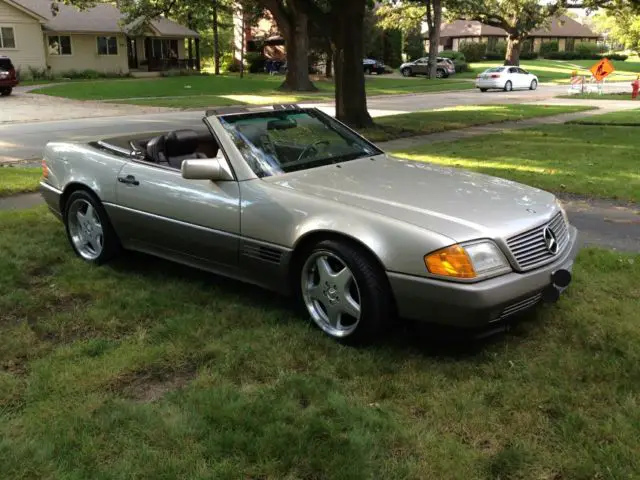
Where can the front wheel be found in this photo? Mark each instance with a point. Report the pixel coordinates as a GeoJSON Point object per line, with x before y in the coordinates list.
{"type": "Point", "coordinates": [5, 92]}
{"type": "Point", "coordinates": [367, 71]}
{"type": "Point", "coordinates": [534, 85]}
{"type": "Point", "coordinates": [483, 90]}
{"type": "Point", "coordinates": [508, 86]}
{"type": "Point", "coordinates": [406, 72]}
{"type": "Point", "coordinates": [345, 292]}
{"type": "Point", "coordinates": [88, 228]}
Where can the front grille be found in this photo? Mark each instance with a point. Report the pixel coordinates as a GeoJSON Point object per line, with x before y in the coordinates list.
{"type": "Point", "coordinates": [520, 306]}
{"type": "Point", "coordinates": [529, 248]}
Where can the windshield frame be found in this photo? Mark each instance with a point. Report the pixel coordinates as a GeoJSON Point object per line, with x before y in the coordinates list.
{"type": "Point", "coordinates": [219, 122]}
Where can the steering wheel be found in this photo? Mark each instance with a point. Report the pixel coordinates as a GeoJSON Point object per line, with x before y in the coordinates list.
{"type": "Point", "coordinates": [312, 148]}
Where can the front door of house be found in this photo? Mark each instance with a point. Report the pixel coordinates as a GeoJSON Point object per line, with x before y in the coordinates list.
{"type": "Point", "coordinates": [132, 52]}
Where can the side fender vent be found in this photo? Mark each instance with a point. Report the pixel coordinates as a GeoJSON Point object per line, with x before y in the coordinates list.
{"type": "Point", "coordinates": [260, 252]}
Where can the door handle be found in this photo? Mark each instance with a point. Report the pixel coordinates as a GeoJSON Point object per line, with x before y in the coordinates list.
{"type": "Point", "coordinates": [129, 180]}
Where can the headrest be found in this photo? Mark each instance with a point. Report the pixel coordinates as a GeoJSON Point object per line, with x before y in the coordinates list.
{"type": "Point", "coordinates": [180, 142]}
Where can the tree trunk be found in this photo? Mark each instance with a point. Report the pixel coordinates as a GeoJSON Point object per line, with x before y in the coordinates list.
{"type": "Point", "coordinates": [242, 42]}
{"type": "Point", "coordinates": [351, 99]}
{"type": "Point", "coordinates": [514, 44]}
{"type": "Point", "coordinates": [297, 42]}
{"type": "Point", "coordinates": [434, 14]}
{"type": "Point", "coordinates": [216, 38]}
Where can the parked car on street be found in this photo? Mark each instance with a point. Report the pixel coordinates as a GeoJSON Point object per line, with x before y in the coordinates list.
{"type": "Point", "coordinates": [445, 67]}
{"type": "Point", "coordinates": [8, 76]}
{"type": "Point", "coordinates": [291, 199]}
{"type": "Point", "coordinates": [506, 78]}
{"type": "Point", "coordinates": [373, 66]}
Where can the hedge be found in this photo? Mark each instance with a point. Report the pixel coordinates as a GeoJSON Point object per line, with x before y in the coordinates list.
{"type": "Point", "coordinates": [473, 51]}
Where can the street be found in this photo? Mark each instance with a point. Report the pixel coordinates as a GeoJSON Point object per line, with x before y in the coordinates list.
{"type": "Point", "coordinates": [20, 141]}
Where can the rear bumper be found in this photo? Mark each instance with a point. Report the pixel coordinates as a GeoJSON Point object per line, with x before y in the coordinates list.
{"type": "Point", "coordinates": [490, 83]}
{"type": "Point", "coordinates": [478, 304]}
{"type": "Point", "coordinates": [8, 83]}
{"type": "Point", "coordinates": [51, 196]}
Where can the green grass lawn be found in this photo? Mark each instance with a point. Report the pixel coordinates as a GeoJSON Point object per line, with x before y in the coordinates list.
{"type": "Point", "coordinates": [604, 96]}
{"type": "Point", "coordinates": [19, 180]}
{"type": "Point", "coordinates": [422, 123]}
{"type": "Point", "coordinates": [623, 118]}
{"type": "Point", "coordinates": [142, 369]}
{"type": "Point", "coordinates": [560, 71]}
{"type": "Point", "coordinates": [591, 160]}
{"type": "Point", "coordinates": [202, 91]}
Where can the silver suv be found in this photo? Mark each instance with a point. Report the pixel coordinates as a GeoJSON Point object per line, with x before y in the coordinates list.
{"type": "Point", "coordinates": [445, 67]}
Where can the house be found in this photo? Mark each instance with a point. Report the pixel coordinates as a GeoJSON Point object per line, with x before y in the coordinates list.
{"type": "Point", "coordinates": [57, 38]}
{"type": "Point", "coordinates": [565, 30]}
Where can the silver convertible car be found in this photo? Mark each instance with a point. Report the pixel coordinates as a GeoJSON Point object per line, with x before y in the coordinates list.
{"type": "Point", "coordinates": [290, 199]}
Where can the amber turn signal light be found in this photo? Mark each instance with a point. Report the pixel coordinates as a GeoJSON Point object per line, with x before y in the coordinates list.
{"type": "Point", "coordinates": [452, 261]}
{"type": "Point", "coordinates": [45, 169]}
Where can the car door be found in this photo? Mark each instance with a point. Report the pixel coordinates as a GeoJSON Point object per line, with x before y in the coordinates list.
{"type": "Point", "coordinates": [422, 66]}
{"type": "Point", "coordinates": [192, 220]}
{"type": "Point", "coordinates": [513, 77]}
{"type": "Point", "coordinates": [526, 78]}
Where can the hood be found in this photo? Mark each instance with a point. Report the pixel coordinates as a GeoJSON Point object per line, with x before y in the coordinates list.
{"type": "Point", "coordinates": [406, 64]}
{"type": "Point", "coordinates": [457, 203]}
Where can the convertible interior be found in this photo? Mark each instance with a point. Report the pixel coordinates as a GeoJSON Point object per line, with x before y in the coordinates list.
{"type": "Point", "coordinates": [169, 149]}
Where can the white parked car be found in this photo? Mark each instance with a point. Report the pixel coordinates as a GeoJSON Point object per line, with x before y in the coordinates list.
{"type": "Point", "coordinates": [506, 78]}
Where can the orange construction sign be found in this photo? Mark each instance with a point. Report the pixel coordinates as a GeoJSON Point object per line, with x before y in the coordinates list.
{"type": "Point", "coordinates": [602, 69]}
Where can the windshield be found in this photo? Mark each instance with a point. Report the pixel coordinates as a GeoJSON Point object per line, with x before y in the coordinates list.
{"type": "Point", "coordinates": [279, 142]}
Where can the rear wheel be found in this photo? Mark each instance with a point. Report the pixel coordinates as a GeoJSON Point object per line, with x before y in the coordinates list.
{"type": "Point", "coordinates": [440, 73]}
{"type": "Point", "coordinates": [508, 86]}
{"type": "Point", "coordinates": [345, 292]}
{"type": "Point", "coordinates": [5, 92]}
{"type": "Point", "coordinates": [534, 85]}
{"type": "Point", "coordinates": [484, 89]}
{"type": "Point", "coordinates": [406, 72]}
{"type": "Point", "coordinates": [88, 228]}
{"type": "Point", "coordinates": [367, 70]}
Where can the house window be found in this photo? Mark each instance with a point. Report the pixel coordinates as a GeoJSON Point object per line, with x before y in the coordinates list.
{"type": "Point", "coordinates": [491, 44]}
{"type": "Point", "coordinates": [570, 45]}
{"type": "Point", "coordinates": [59, 44]}
{"type": "Point", "coordinates": [107, 46]}
{"type": "Point", "coordinates": [164, 48]}
{"type": "Point", "coordinates": [7, 37]}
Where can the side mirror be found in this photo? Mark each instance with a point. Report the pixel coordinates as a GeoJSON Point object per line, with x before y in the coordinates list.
{"type": "Point", "coordinates": [205, 169]}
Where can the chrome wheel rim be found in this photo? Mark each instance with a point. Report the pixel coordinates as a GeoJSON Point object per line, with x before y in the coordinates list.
{"type": "Point", "coordinates": [331, 294]}
{"type": "Point", "coordinates": [85, 229]}
{"type": "Point", "coordinates": [439, 74]}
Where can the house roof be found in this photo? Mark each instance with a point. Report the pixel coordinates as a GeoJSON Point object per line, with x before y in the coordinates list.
{"type": "Point", "coordinates": [562, 26]}
{"type": "Point", "coordinates": [103, 18]}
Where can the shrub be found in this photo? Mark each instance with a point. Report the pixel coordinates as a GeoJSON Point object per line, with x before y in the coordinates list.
{"type": "Point", "coordinates": [500, 49]}
{"type": "Point", "coordinates": [494, 56]}
{"type": "Point", "coordinates": [546, 48]}
{"type": "Point", "coordinates": [528, 56]}
{"type": "Point", "coordinates": [618, 57]}
{"type": "Point", "coordinates": [453, 55]}
{"type": "Point", "coordinates": [473, 51]}
{"type": "Point", "coordinates": [586, 48]}
{"type": "Point", "coordinates": [461, 66]}
{"type": "Point", "coordinates": [255, 62]}
{"type": "Point", "coordinates": [414, 44]}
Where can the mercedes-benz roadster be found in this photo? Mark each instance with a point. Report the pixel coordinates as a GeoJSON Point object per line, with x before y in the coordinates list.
{"type": "Point", "coordinates": [290, 199]}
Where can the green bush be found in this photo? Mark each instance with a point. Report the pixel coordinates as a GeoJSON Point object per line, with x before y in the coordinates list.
{"type": "Point", "coordinates": [453, 55]}
{"type": "Point", "coordinates": [494, 56]}
{"type": "Point", "coordinates": [461, 66]}
{"type": "Point", "coordinates": [255, 62]}
{"type": "Point", "coordinates": [528, 56]}
{"type": "Point", "coordinates": [393, 48]}
{"type": "Point", "coordinates": [618, 57]}
{"type": "Point", "coordinates": [414, 45]}
{"type": "Point", "coordinates": [473, 51]}
{"type": "Point", "coordinates": [500, 49]}
{"type": "Point", "coordinates": [587, 48]}
{"type": "Point", "coordinates": [547, 48]}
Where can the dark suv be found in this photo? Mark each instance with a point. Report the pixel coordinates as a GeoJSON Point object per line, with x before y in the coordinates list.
{"type": "Point", "coordinates": [8, 77]}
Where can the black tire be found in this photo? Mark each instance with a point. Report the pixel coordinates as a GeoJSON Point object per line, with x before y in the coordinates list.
{"type": "Point", "coordinates": [508, 87]}
{"type": "Point", "coordinates": [5, 92]}
{"type": "Point", "coordinates": [406, 72]}
{"type": "Point", "coordinates": [367, 71]}
{"type": "Point", "coordinates": [484, 89]}
{"type": "Point", "coordinates": [111, 244]}
{"type": "Point", "coordinates": [441, 73]}
{"type": "Point", "coordinates": [373, 287]}
{"type": "Point", "coordinates": [534, 85]}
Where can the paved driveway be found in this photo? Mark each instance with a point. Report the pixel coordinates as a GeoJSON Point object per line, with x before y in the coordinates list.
{"type": "Point", "coordinates": [22, 106]}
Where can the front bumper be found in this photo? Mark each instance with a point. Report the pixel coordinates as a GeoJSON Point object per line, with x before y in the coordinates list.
{"type": "Point", "coordinates": [477, 304]}
{"type": "Point", "coordinates": [51, 196]}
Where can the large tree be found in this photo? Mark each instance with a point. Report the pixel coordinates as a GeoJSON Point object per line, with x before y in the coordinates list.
{"type": "Point", "coordinates": [408, 15]}
{"type": "Point", "coordinates": [293, 23]}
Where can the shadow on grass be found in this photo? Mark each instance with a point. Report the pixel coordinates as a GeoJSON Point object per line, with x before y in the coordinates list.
{"type": "Point", "coordinates": [428, 339]}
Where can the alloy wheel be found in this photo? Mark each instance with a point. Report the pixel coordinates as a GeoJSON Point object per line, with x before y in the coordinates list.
{"type": "Point", "coordinates": [85, 229]}
{"type": "Point", "coordinates": [331, 294]}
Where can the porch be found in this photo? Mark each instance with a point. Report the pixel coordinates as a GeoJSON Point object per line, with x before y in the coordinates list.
{"type": "Point", "coordinates": [158, 54]}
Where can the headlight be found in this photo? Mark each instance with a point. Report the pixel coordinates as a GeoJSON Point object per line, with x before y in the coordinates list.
{"type": "Point", "coordinates": [472, 261]}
